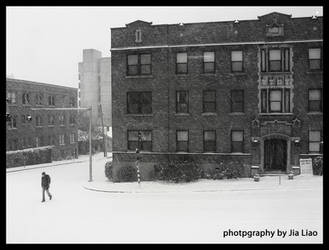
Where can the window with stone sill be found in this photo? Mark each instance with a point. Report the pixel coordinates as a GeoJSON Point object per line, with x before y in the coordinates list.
{"type": "Point", "coordinates": [237, 141]}
{"type": "Point", "coordinates": [315, 145]}
{"type": "Point", "coordinates": [26, 98]}
{"type": "Point", "coordinates": [11, 97]}
{"type": "Point", "coordinates": [208, 62]}
{"type": "Point", "coordinates": [181, 63]}
{"type": "Point", "coordinates": [38, 99]}
{"type": "Point", "coordinates": [182, 101]}
{"type": "Point", "coordinates": [237, 61]}
{"type": "Point", "coordinates": [315, 59]}
{"type": "Point", "coordinates": [209, 141]}
{"type": "Point", "coordinates": [209, 101]}
{"type": "Point", "coordinates": [275, 59]}
{"type": "Point", "coordinates": [315, 100]}
{"type": "Point", "coordinates": [182, 140]}
{"type": "Point", "coordinates": [12, 124]}
{"type": "Point", "coordinates": [139, 64]}
{"type": "Point", "coordinates": [139, 102]}
{"type": "Point", "coordinates": [145, 144]}
{"type": "Point", "coordinates": [275, 100]}
{"type": "Point", "coordinates": [237, 101]}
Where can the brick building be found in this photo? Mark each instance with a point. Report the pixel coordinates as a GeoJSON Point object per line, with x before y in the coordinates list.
{"type": "Point", "coordinates": [57, 128]}
{"type": "Point", "coordinates": [248, 92]}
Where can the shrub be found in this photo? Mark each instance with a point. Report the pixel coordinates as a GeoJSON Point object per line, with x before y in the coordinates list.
{"type": "Point", "coordinates": [228, 170]}
{"type": "Point", "coordinates": [108, 170]}
{"type": "Point", "coordinates": [179, 171]}
{"type": "Point", "coordinates": [318, 165]}
{"type": "Point", "coordinates": [127, 174]}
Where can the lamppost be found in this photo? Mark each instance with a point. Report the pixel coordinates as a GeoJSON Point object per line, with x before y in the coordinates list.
{"type": "Point", "coordinates": [90, 124]}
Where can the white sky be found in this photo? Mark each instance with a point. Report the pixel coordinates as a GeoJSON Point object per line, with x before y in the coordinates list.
{"type": "Point", "coordinates": [45, 43]}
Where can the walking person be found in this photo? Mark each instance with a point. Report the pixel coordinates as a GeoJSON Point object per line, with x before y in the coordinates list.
{"type": "Point", "coordinates": [45, 182]}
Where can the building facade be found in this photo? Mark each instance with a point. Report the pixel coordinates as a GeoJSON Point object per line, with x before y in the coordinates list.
{"type": "Point", "coordinates": [247, 92]}
{"type": "Point", "coordinates": [95, 85]}
{"type": "Point", "coordinates": [30, 128]}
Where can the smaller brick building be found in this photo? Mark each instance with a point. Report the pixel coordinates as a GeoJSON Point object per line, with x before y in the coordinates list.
{"type": "Point", "coordinates": [29, 128]}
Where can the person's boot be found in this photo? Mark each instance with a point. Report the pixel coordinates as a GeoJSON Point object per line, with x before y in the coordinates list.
{"type": "Point", "coordinates": [50, 196]}
{"type": "Point", "coordinates": [43, 201]}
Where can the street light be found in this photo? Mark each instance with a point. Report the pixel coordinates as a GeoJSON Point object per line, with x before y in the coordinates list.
{"type": "Point", "coordinates": [90, 124]}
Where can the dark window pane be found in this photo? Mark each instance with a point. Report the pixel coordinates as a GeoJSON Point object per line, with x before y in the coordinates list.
{"type": "Point", "coordinates": [209, 107]}
{"type": "Point", "coordinates": [209, 96]}
{"type": "Point", "coordinates": [181, 68]}
{"type": "Point", "coordinates": [237, 146]}
{"type": "Point", "coordinates": [275, 65]}
{"type": "Point", "coordinates": [182, 146]}
{"type": "Point", "coordinates": [210, 146]}
{"type": "Point", "coordinates": [315, 106]}
{"type": "Point", "coordinates": [145, 59]}
{"type": "Point", "coordinates": [209, 67]}
{"type": "Point", "coordinates": [132, 70]}
{"type": "Point", "coordinates": [147, 145]}
{"type": "Point", "coordinates": [263, 101]}
{"type": "Point", "coordinates": [236, 66]}
{"type": "Point", "coordinates": [315, 64]}
{"type": "Point", "coordinates": [132, 145]}
{"type": "Point", "coordinates": [145, 69]}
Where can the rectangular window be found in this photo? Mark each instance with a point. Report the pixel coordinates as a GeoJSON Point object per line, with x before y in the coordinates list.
{"type": "Point", "coordinates": [237, 101]}
{"type": "Point", "coordinates": [51, 120]}
{"type": "Point", "coordinates": [275, 60]}
{"type": "Point", "coordinates": [181, 63]}
{"type": "Point", "coordinates": [236, 61]}
{"type": "Point", "coordinates": [139, 102]}
{"type": "Point", "coordinates": [286, 59]}
{"type": "Point", "coordinates": [182, 141]}
{"type": "Point", "coordinates": [139, 64]}
{"type": "Point", "coordinates": [145, 142]}
{"type": "Point", "coordinates": [209, 101]}
{"type": "Point", "coordinates": [39, 99]}
{"type": "Point", "coordinates": [315, 100]}
{"type": "Point", "coordinates": [263, 60]}
{"type": "Point", "coordinates": [61, 140]}
{"type": "Point", "coordinates": [61, 119]}
{"type": "Point", "coordinates": [11, 97]}
{"type": "Point", "coordinates": [38, 121]}
{"type": "Point", "coordinates": [209, 141]}
{"type": "Point", "coordinates": [72, 120]}
{"type": "Point", "coordinates": [208, 62]}
{"type": "Point", "coordinates": [51, 100]}
{"type": "Point", "coordinates": [72, 138]}
{"type": "Point", "coordinates": [26, 98]}
{"type": "Point", "coordinates": [182, 101]}
{"type": "Point", "coordinates": [145, 64]}
{"type": "Point", "coordinates": [237, 141]}
{"type": "Point", "coordinates": [275, 100]}
{"type": "Point", "coordinates": [263, 96]}
{"type": "Point", "coordinates": [315, 60]}
{"type": "Point", "coordinates": [13, 122]}
{"type": "Point", "coordinates": [314, 145]}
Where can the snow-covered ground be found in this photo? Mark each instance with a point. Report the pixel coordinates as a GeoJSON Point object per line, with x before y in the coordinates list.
{"type": "Point", "coordinates": [157, 212]}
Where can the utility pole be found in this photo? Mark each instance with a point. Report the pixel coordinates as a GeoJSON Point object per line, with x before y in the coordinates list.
{"type": "Point", "coordinates": [102, 121]}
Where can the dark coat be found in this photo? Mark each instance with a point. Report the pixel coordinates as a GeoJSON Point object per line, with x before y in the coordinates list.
{"type": "Point", "coordinates": [45, 181]}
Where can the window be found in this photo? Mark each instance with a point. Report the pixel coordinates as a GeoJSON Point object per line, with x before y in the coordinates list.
{"type": "Point", "coordinates": [51, 120]}
{"type": "Point", "coordinates": [182, 101]}
{"type": "Point", "coordinates": [39, 99]}
{"type": "Point", "coordinates": [237, 101]}
{"type": "Point", "coordinates": [38, 121]}
{"type": "Point", "coordinates": [146, 140]}
{"type": "Point", "coordinates": [51, 100]}
{"type": "Point", "coordinates": [139, 64]}
{"type": "Point", "coordinates": [209, 141]}
{"type": "Point", "coordinates": [13, 122]}
{"type": "Point", "coordinates": [13, 144]}
{"type": "Point", "coordinates": [209, 101]}
{"type": "Point", "coordinates": [72, 120]}
{"type": "Point", "coordinates": [182, 141]}
{"type": "Point", "coordinates": [236, 61]}
{"type": "Point", "coordinates": [26, 98]}
{"type": "Point", "coordinates": [139, 102]}
{"type": "Point", "coordinates": [61, 119]}
{"type": "Point", "coordinates": [237, 141]}
{"type": "Point", "coordinates": [138, 36]}
{"type": "Point", "coordinates": [73, 101]}
{"type": "Point", "coordinates": [51, 140]}
{"type": "Point", "coordinates": [278, 60]}
{"type": "Point", "coordinates": [208, 62]}
{"type": "Point", "coordinates": [315, 100]}
{"type": "Point", "coordinates": [314, 145]}
{"type": "Point", "coordinates": [315, 60]}
{"type": "Point", "coordinates": [11, 97]}
{"type": "Point", "coordinates": [275, 60]}
{"type": "Point", "coordinates": [276, 100]}
{"type": "Point", "coordinates": [37, 142]}
{"type": "Point", "coordinates": [181, 63]}
{"type": "Point", "coordinates": [72, 138]}
{"type": "Point", "coordinates": [62, 140]}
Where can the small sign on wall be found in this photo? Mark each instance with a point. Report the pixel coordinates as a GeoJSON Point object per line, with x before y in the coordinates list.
{"type": "Point", "coordinates": [306, 166]}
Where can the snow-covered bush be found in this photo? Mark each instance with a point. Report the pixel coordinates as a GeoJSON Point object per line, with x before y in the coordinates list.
{"type": "Point", "coordinates": [179, 171]}
{"type": "Point", "coordinates": [108, 170]}
{"type": "Point", "coordinates": [127, 174]}
{"type": "Point", "coordinates": [318, 165]}
{"type": "Point", "coordinates": [29, 156]}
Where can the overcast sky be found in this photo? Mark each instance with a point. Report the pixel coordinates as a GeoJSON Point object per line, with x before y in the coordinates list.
{"type": "Point", "coordinates": [45, 43]}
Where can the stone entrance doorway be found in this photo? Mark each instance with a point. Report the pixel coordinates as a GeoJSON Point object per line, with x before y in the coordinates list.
{"type": "Point", "coordinates": [275, 155]}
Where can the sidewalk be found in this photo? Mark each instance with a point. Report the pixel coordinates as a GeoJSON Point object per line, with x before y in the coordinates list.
{"type": "Point", "coordinates": [300, 182]}
{"type": "Point", "coordinates": [82, 158]}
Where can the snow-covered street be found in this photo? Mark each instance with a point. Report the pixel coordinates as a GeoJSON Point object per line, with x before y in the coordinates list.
{"type": "Point", "coordinates": [156, 212]}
